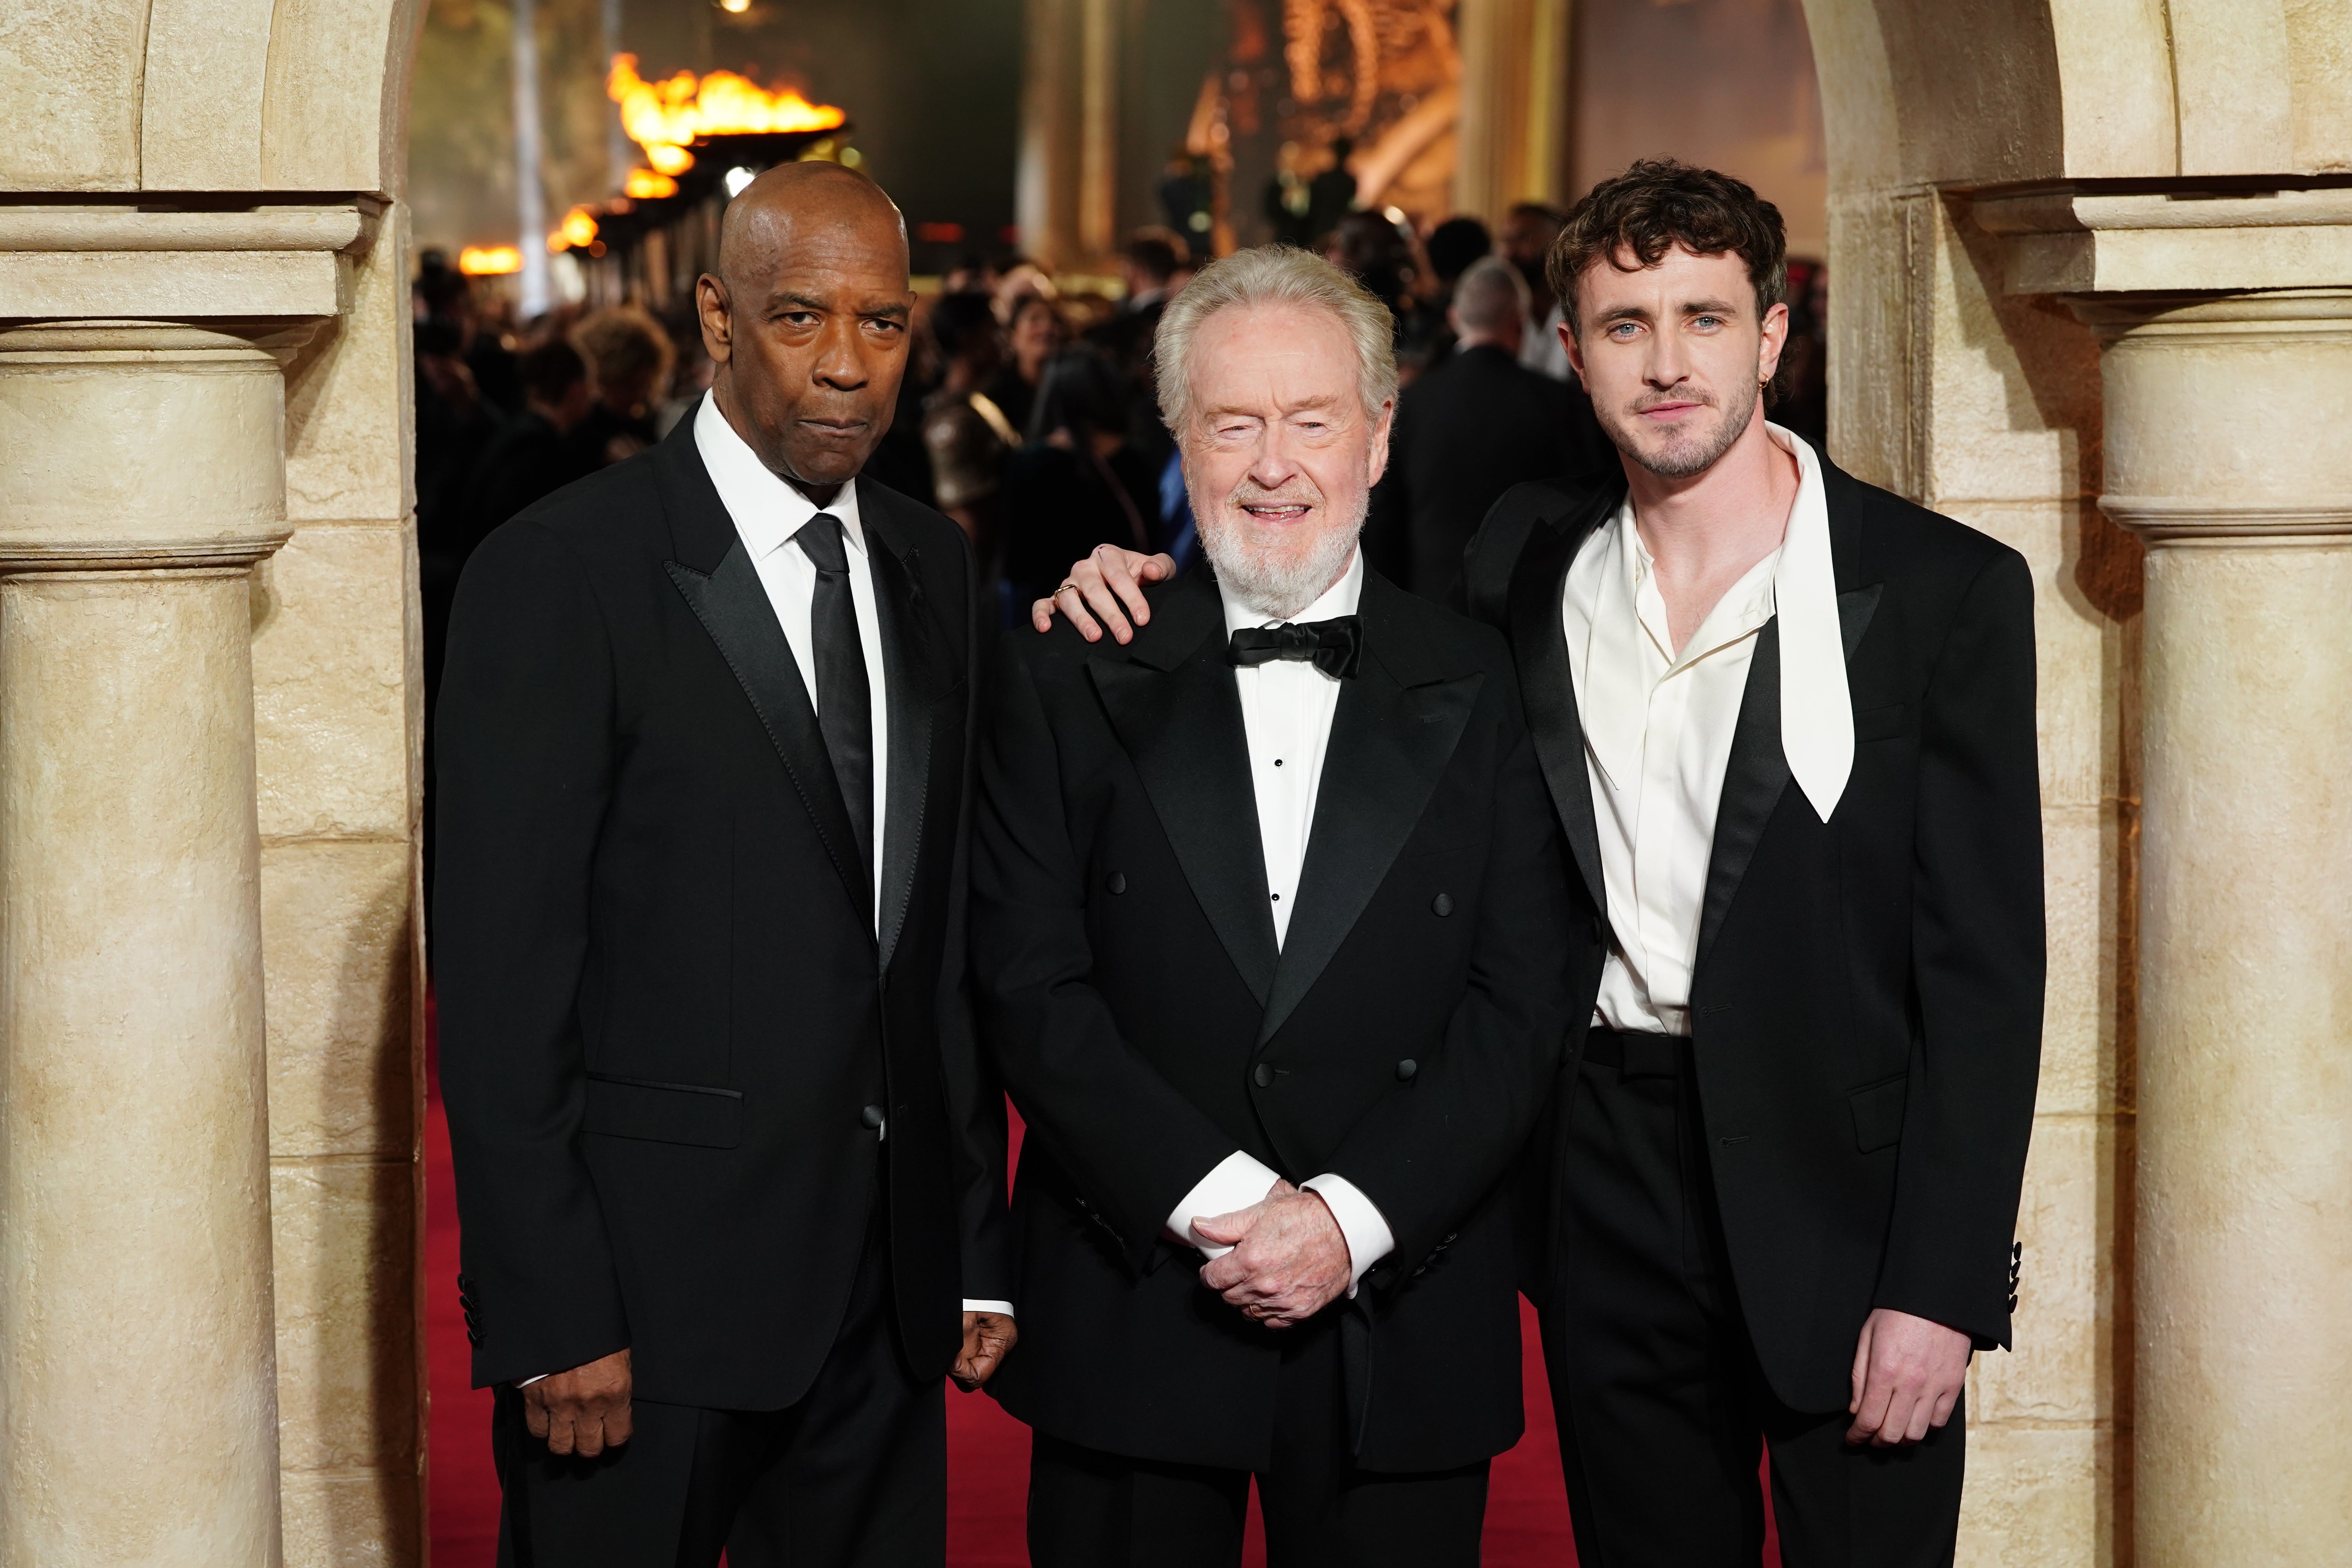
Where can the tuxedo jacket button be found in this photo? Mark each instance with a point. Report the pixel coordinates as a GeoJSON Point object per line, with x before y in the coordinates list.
{"type": "Point", "coordinates": [870, 1119]}
{"type": "Point", "coordinates": [1116, 881]}
{"type": "Point", "coordinates": [1262, 1076]}
{"type": "Point", "coordinates": [1443, 904]}
{"type": "Point", "coordinates": [1406, 1069]}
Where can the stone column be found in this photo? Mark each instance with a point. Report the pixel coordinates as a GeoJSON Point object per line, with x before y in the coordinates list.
{"type": "Point", "coordinates": [1517, 94]}
{"type": "Point", "coordinates": [2229, 450]}
{"type": "Point", "coordinates": [142, 476]}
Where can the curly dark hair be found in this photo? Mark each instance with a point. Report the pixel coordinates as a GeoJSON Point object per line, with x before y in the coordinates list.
{"type": "Point", "coordinates": [1658, 204]}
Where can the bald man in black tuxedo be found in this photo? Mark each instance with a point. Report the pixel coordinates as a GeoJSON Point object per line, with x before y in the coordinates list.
{"type": "Point", "coordinates": [730, 1176]}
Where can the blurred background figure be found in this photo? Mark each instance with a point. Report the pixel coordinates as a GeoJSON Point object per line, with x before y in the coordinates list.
{"type": "Point", "coordinates": [1527, 232]}
{"type": "Point", "coordinates": [966, 432]}
{"type": "Point", "coordinates": [1449, 251]}
{"type": "Point", "coordinates": [1802, 386]}
{"type": "Point", "coordinates": [1187, 195]}
{"type": "Point", "coordinates": [1473, 425]}
{"type": "Point", "coordinates": [1148, 265]}
{"type": "Point", "coordinates": [1302, 208]}
{"type": "Point", "coordinates": [534, 455]}
{"type": "Point", "coordinates": [629, 357]}
{"type": "Point", "coordinates": [1078, 482]}
{"type": "Point", "coordinates": [1379, 251]}
{"type": "Point", "coordinates": [1035, 334]}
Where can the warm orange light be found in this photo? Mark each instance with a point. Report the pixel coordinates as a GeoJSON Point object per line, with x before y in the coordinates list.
{"type": "Point", "coordinates": [577, 231]}
{"type": "Point", "coordinates": [644, 184]}
{"type": "Point", "coordinates": [665, 116]}
{"type": "Point", "coordinates": [489, 261]}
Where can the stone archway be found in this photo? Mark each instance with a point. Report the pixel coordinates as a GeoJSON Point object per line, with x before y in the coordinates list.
{"type": "Point", "coordinates": [209, 1062]}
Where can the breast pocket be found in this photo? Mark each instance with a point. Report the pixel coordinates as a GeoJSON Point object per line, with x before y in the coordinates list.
{"type": "Point", "coordinates": [1885, 723]}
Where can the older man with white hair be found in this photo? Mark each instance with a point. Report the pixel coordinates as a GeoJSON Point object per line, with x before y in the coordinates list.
{"type": "Point", "coordinates": [1274, 950]}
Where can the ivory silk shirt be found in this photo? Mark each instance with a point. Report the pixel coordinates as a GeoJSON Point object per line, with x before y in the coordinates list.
{"type": "Point", "coordinates": [1658, 728]}
{"type": "Point", "coordinates": [1287, 710]}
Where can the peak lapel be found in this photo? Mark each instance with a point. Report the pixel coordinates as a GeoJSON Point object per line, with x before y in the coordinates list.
{"type": "Point", "coordinates": [1395, 730]}
{"type": "Point", "coordinates": [1171, 699]}
{"type": "Point", "coordinates": [1758, 770]}
{"type": "Point", "coordinates": [1547, 685]}
{"type": "Point", "coordinates": [916, 678]}
{"type": "Point", "coordinates": [733, 608]}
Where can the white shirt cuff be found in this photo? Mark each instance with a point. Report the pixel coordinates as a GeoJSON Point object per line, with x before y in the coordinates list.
{"type": "Point", "coordinates": [1003, 1307]}
{"type": "Point", "coordinates": [1368, 1235]}
{"type": "Point", "coordinates": [1239, 1181]}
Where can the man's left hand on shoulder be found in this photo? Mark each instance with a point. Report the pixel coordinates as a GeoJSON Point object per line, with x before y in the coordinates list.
{"type": "Point", "coordinates": [1289, 1259]}
{"type": "Point", "coordinates": [1907, 1376]}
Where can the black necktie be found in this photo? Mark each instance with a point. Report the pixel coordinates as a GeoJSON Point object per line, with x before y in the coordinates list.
{"type": "Point", "coordinates": [1331, 646]}
{"type": "Point", "coordinates": [844, 710]}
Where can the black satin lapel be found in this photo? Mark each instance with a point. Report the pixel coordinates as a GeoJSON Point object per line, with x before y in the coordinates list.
{"type": "Point", "coordinates": [733, 608]}
{"type": "Point", "coordinates": [1182, 729]}
{"type": "Point", "coordinates": [912, 682]}
{"type": "Point", "coordinates": [1548, 686]}
{"type": "Point", "coordinates": [1854, 609]}
{"type": "Point", "coordinates": [1752, 782]}
{"type": "Point", "coordinates": [1389, 745]}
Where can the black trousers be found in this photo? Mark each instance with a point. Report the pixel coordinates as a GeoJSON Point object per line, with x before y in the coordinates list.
{"type": "Point", "coordinates": [854, 1476]}
{"type": "Point", "coordinates": [1662, 1407]}
{"type": "Point", "coordinates": [1088, 1509]}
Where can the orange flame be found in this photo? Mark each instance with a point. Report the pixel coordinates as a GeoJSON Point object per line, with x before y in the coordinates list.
{"type": "Point", "coordinates": [577, 231]}
{"type": "Point", "coordinates": [665, 116]}
{"type": "Point", "coordinates": [489, 261]}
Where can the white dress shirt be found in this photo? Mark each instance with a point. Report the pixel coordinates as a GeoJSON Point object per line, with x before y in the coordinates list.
{"type": "Point", "coordinates": [1658, 726]}
{"type": "Point", "coordinates": [1287, 710]}
{"type": "Point", "coordinates": [769, 514]}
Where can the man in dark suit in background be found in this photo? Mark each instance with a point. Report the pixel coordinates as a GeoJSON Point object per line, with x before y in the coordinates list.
{"type": "Point", "coordinates": [1788, 722]}
{"type": "Point", "coordinates": [1475, 423]}
{"type": "Point", "coordinates": [1271, 938]}
{"type": "Point", "coordinates": [730, 1180]}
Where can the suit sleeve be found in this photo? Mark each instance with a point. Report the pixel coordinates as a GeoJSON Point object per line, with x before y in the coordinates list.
{"type": "Point", "coordinates": [1425, 1157]}
{"type": "Point", "coordinates": [1134, 1143]}
{"type": "Point", "coordinates": [975, 1097]}
{"type": "Point", "coordinates": [525, 754]}
{"type": "Point", "coordinates": [1977, 959]}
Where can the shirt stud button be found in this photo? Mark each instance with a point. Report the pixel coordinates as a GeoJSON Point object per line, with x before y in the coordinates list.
{"type": "Point", "coordinates": [1262, 1076]}
{"type": "Point", "coordinates": [1406, 1069]}
{"type": "Point", "coordinates": [1442, 905]}
{"type": "Point", "coordinates": [1116, 881]}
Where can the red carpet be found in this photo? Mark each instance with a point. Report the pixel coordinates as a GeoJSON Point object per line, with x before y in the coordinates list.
{"type": "Point", "coordinates": [988, 1451]}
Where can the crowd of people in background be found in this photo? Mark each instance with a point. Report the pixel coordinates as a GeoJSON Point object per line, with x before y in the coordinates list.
{"type": "Point", "coordinates": [1028, 413]}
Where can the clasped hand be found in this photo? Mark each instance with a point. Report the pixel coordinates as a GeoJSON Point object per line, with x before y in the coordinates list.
{"type": "Point", "coordinates": [1289, 1259]}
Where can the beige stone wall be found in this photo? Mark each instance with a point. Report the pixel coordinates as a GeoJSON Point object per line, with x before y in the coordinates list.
{"type": "Point", "coordinates": [235, 165]}
{"type": "Point", "coordinates": [338, 705]}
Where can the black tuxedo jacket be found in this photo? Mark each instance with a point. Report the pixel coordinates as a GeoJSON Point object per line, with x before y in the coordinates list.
{"type": "Point", "coordinates": [664, 1007]}
{"type": "Point", "coordinates": [1866, 1008]}
{"type": "Point", "coordinates": [1402, 1036]}
{"type": "Point", "coordinates": [1467, 429]}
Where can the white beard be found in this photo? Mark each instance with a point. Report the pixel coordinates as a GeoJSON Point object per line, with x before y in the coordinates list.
{"type": "Point", "coordinates": [1277, 579]}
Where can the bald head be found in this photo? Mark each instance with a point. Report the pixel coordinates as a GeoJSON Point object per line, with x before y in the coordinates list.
{"type": "Point", "coordinates": [806, 321]}
{"type": "Point", "coordinates": [799, 201]}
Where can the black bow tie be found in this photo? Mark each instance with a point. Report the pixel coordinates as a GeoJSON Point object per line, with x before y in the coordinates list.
{"type": "Point", "coordinates": [1331, 646]}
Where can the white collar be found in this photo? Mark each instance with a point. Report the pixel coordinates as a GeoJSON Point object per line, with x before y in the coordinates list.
{"type": "Point", "coordinates": [1339, 599]}
{"type": "Point", "coordinates": [1816, 709]}
{"type": "Point", "coordinates": [767, 509]}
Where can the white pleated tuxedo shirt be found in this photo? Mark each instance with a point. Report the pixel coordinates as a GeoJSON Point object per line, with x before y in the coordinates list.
{"type": "Point", "coordinates": [1658, 726]}
{"type": "Point", "coordinates": [1287, 710]}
